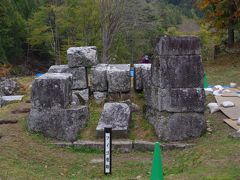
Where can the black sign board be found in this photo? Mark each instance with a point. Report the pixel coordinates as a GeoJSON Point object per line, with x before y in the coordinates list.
{"type": "Point", "coordinates": [107, 151]}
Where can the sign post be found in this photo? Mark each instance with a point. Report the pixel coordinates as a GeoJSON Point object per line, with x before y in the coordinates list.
{"type": "Point", "coordinates": [107, 151]}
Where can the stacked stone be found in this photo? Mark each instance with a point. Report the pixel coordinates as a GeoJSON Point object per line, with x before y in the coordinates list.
{"type": "Point", "coordinates": [142, 74]}
{"type": "Point", "coordinates": [79, 59]}
{"type": "Point", "coordinates": [112, 79]}
{"type": "Point", "coordinates": [51, 112]}
{"type": "Point", "coordinates": [175, 99]}
{"type": "Point", "coordinates": [99, 82]}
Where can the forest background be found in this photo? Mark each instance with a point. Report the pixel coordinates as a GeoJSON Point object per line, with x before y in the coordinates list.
{"type": "Point", "coordinates": [35, 34]}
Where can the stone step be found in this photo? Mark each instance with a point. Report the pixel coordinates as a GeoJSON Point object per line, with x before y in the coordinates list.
{"type": "Point", "coordinates": [117, 116]}
{"type": "Point", "coordinates": [123, 146]}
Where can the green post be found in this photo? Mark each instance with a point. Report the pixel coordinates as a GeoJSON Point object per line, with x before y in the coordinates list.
{"type": "Point", "coordinates": [205, 82]}
{"type": "Point", "coordinates": [157, 169]}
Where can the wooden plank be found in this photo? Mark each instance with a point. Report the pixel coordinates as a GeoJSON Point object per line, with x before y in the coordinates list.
{"type": "Point", "coordinates": [235, 100]}
{"type": "Point", "coordinates": [232, 123]}
{"type": "Point", "coordinates": [231, 112]}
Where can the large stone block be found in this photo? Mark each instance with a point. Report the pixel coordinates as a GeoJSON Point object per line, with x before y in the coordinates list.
{"type": "Point", "coordinates": [62, 124]}
{"type": "Point", "coordinates": [82, 56]}
{"type": "Point", "coordinates": [177, 72]}
{"type": "Point", "coordinates": [181, 45]}
{"type": "Point", "coordinates": [176, 100]}
{"type": "Point", "coordinates": [99, 78]}
{"type": "Point", "coordinates": [52, 90]}
{"type": "Point", "coordinates": [141, 73]}
{"type": "Point", "coordinates": [176, 126]}
{"type": "Point", "coordinates": [117, 116]}
{"type": "Point", "coordinates": [79, 75]}
{"type": "Point", "coordinates": [118, 76]}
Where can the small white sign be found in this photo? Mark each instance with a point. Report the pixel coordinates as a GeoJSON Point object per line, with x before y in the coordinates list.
{"type": "Point", "coordinates": [107, 153]}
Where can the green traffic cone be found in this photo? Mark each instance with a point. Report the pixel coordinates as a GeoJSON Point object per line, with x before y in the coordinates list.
{"type": "Point", "coordinates": [157, 169]}
{"type": "Point", "coordinates": [205, 82]}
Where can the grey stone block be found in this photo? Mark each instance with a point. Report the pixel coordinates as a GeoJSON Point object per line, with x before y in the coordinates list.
{"type": "Point", "coordinates": [172, 146]}
{"type": "Point", "coordinates": [122, 146]}
{"type": "Point", "coordinates": [79, 75]}
{"type": "Point", "coordinates": [89, 144]}
{"type": "Point", "coordinates": [8, 87]}
{"type": "Point", "coordinates": [181, 45]}
{"type": "Point", "coordinates": [118, 76]}
{"type": "Point", "coordinates": [177, 72]}
{"type": "Point", "coordinates": [82, 56]}
{"type": "Point", "coordinates": [176, 126]}
{"type": "Point", "coordinates": [52, 90]}
{"type": "Point", "coordinates": [143, 146]}
{"type": "Point", "coordinates": [100, 97]}
{"type": "Point", "coordinates": [116, 115]}
{"type": "Point", "coordinates": [141, 72]}
{"type": "Point", "coordinates": [62, 124]}
{"type": "Point", "coordinates": [58, 69]}
{"type": "Point", "coordinates": [146, 76]}
{"type": "Point", "coordinates": [99, 78]}
{"type": "Point", "coordinates": [176, 100]}
{"type": "Point", "coordinates": [82, 94]}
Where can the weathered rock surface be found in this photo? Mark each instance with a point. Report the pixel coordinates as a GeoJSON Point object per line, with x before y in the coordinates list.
{"type": "Point", "coordinates": [116, 115]}
{"type": "Point", "coordinates": [79, 75]}
{"type": "Point", "coordinates": [99, 78]}
{"type": "Point", "coordinates": [82, 94]}
{"type": "Point", "coordinates": [141, 72]}
{"type": "Point", "coordinates": [8, 87]}
{"type": "Point", "coordinates": [100, 97]}
{"type": "Point", "coordinates": [52, 90]}
{"type": "Point", "coordinates": [181, 45]}
{"type": "Point", "coordinates": [177, 72]}
{"type": "Point", "coordinates": [176, 100]}
{"type": "Point", "coordinates": [174, 94]}
{"type": "Point", "coordinates": [143, 145]}
{"type": "Point", "coordinates": [62, 124]}
{"type": "Point", "coordinates": [82, 56]}
{"type": "Point", "coordinates": [58, 69]}
{"type": "Point", "coordinates": [146, 76]}
{"type": "Point", "coordinates": [176, 126]}
{"type": "Point", "coordinates": [118, 76]}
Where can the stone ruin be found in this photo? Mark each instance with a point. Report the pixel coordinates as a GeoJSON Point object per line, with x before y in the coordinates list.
{"type": "Point", "coordinates": [172, 85]}
{"type": "Point", "coordinates": [56, 111]}
{"type": "Point", "coordinates": [175, 99]}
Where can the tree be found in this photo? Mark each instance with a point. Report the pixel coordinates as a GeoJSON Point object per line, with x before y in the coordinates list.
{"type": "Point", "coordinates": [12, 32]}
{"type": "Point", "coordinates": [222, 14]}
{"type": "Point", "coordinates": [111, 19]}
{"type": "Point", "coordinates": [58, 25]}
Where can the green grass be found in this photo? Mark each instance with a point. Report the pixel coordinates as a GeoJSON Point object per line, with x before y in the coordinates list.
{"type": "Point", "coordinates": [24, 155]}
